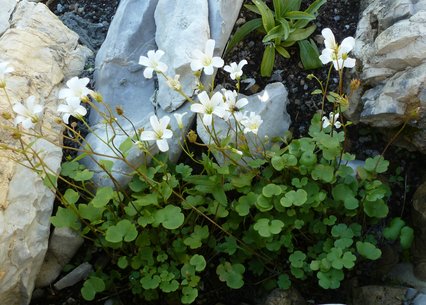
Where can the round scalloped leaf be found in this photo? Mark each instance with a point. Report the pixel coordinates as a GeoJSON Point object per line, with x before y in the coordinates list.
{"type": "Point", "coordinates": [368, 250]}
{"type": "Point", "coordinates": [170, 217]}
{"type": "Point", "coordinates": [284, 281]}
{"type": "Point", "coordinates": [271, 189]}
{"type": "Point", "coordinates": [377, 208]}
{"type": "Point", "coordinates": [267, 228]}
{"type": "Point", "coordinates": [123, 230]}
{"type": "Point", "coordinates": [198, 262]}
{"type": "Point", "coordinates": [393, 230]}
{"type": "Point", "coordinates": [232, 274]}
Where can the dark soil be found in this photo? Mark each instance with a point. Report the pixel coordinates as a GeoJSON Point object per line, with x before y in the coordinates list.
{"type": "Point", "coordinates": [91, 19]}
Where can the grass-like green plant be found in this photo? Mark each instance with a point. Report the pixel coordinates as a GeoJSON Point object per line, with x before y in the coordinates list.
{"type": "Point", "coordinates": [296, 211]}
{"type": "Point", "coordinates": [282, 27]}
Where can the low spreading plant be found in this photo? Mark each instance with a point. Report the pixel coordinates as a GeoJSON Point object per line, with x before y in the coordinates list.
{"type": "Point", "coordinates": [282, 27]}
{"type": "Point", "coordinates": [281, 211]}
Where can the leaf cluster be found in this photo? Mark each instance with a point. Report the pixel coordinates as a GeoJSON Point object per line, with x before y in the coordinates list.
{"type": "Point", "coordinates": [282, 27]}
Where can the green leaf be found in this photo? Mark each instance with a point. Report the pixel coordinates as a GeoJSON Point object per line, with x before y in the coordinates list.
{"type": "Point", "coordinates": [275, 32]}
{"type": "Point", "coordinates": [184, 170]}
{"type": "Point", "coordinates": [264, 204]}
{"type": "Point", "coordinates": [150, 281]}
{"type": "Point", "coordinates": [126, 145]}
{"type": "Point", "coordinates": [330, 279]}
{"type": "Point", "coordinates": [268, 61]}
{"type": "Point", "coordinates": [106, 165]}
{"type": "Point", "coordinates": [194, 240]}
{"type": "Point", "coordinates": [393, 230]}
{"type": "Point", "coordinates": [170, 217]}
{"type": "Point", "coordinates": [83, 175]}
{"type": "Point", "coordinates": [102, 197]}
{"type": "Point", "coordinates": [278, 7]}
{"type": "Point", "coordinates": [242, 32]}
{"type": "Point", "coordinates": [189, 295]}
{"type": "Point", "coordinates": [297, 259]}
{"type": "Point", "coordinates": [377, 164]}
{"type": "Point", "coordinates": [284, 281]}
{"type": "Point", "coordinates": [293, 5]}
{"type": "Point", "coordinates": [146, 200]}
{"type": "Point", "coordinates": [342, 192]}
{"type": "Point", "coordinates": [268, 19]}
{"type": "Point", "coordinates": [198, 261]}
{"type": "Point", "coordinates": [71, 197]}
{"type": "Point", "coordinates": [309, 54]}
{"type": "Point", "coordinates": [92, 286]}
{"type": "Point", "coordinates": [323, 172]}
{"type": "Point", "coordinates": [286, 28]}
{"type": "Point", "coordinates": [245, 203]}
{"type": "Point", "coordinates": [123, 230]}
{"type": "Point", "coordinates": [68, 169]}
{"type": "Point", "coordinates": [299, 15]}
{"type": "Point", "coordinates": [300, 34]}
{"type": "Point", "coordinates": [406, 238]}
{"type": "Point", "coordinates": [232, 274]}
{"type": "Point", "coordinates": [377, 208]}
{"type": "Point", "coordinates": [297, 198]}
{"type": "Point", "coordinates": [283, 52]}
{"type": "Point", "coordinates": [271, 189]}
{"type": "Point", "coordinates": [65, 218]}
{"type": "Point", "coordinates": [368, 250]}
{"type": "Point", "coordinates": [267, 228]}
{"type": "Point", "coordinates": [122, 262]}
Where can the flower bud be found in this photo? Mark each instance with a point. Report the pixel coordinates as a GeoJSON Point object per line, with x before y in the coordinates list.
{"type": "Point", "coordinates": [119, 110]}
{"type": "Point", "coordinates": [2, 84]}
{"type": "Point", "coordinates": [310, 76]}
{"type": "Point", "coordinates": [192, 136]}
{"type": "Point", "coordinates": [58, 120]}
{"type": "Point", "coordinates": [6, 115]}
{"type": "Point", "coordinates": [16, 135]}
{"type": "Point", "coordinates": [97, 96]}
{"type": "Point", "coordinates": [355, 83]}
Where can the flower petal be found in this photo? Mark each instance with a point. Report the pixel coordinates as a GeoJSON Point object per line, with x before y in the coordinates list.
{"type": "Point", "coordinates": [163, 145]}
{"type": "Point", "coordinates": [209, 47]}
{"type": "Point", "coordinates": [148, 135]}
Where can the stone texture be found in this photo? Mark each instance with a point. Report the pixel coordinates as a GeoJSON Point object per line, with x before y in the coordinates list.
{"type": "Point", "coordinates": [403, 274]}
{"type": "Point", "coordinates": [272, 110]}
{"type": "Point", "coordinates": [75, 276]}
{"type": "Point", "coordinates": [7, 7]}
{"type": "Point", "coordinates": [391, 49]}
{"type": "Point", "coordinates": [43, 52]}
{"type": "Point", "coordinates": [63, 244]}
{"type": "Point", "coordinates": [375, 295]}
{"type": "Point", "coordinates": [419, 224]}
{"type": "Point", "coordinates": [284, 297]}
{"type": "Point", "coordinates": [139, 26]}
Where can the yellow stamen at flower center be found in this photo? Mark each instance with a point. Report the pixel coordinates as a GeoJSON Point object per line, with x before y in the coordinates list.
{"type": "Point", "coordinates": [207, 61]}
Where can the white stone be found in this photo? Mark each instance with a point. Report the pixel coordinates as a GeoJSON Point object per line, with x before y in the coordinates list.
{"type": "Point", "coordinates": [7, 7]}
{"type": "Point", "coordinates": [119, 78]}
{"type": "Point", "coordinates": [272, 110]}
{"type": "Point", "coordinates": [181, 28]}
{"type": "Point", "coordinates": [63, 244]}
{"type": "Point", "coordinates": [391, 49]}
{"type": "Point", "coordinates": [42, 51]}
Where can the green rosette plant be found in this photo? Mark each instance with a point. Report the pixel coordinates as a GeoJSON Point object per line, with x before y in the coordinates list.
{"type": "Point", "coordinates": [282, 27]}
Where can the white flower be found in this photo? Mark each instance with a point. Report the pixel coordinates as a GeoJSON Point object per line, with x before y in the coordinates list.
{"type": "Point", "coordinates": [233, 104]}
{"type": "Point", "coordinates": [77, 88]}
{"type": "Point", "coordinates": [152, 63]}
{"type": "Point", "coordinates": [4, 70]}
{"type": "Point", "coordinates": [205, 60]}
{"type": "Point", "coordinates": [178, 117]}
{"type": "Point", "coordinates": [251, 123]}
{"type": "Point", "coordinates": [208, 106]}
{"type": "Point", "coordinates": [160, 132]}
{"type": "Point", "coordinates": [174, 83]}
{"type": "Point", "coordinates": [235, 70]}
{"type": "Point", "coordinates": [72, 108]}
{"type": "Point", "coordinates": [331, 118]}
{"type": "Point", "coordinates": [335, 53]}
{"type": "Point", "coordinates": [28, 113]}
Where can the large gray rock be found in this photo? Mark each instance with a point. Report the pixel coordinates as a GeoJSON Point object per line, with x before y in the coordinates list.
{"type": "Point", "coordinates": [391, 49]}
{"type": "Point", "coordinates": [270, 104]}
{"type": "Point", "coordinates": [7, 7]}
{"type": "Point", "coordinates": [43, 53]}
{"type": "Point", "coordinates": [140, 26]}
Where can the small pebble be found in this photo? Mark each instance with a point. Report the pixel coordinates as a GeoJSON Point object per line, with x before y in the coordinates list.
{"type": "Point", "coordinates": [60, 8]}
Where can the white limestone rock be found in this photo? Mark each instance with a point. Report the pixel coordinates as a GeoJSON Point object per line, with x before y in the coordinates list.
{"type": "Point", "coordinates": [42, 51]}
{"type": "Point", "coordinates": [7, 7]}
{"type": "Point", "coordinates": [133, 32]}
{"type": "Point", "coordinates": [391, 51]}
{"type": "Point", "coordinates": [270, 104]}
{"type": "Point", "coordinates": [181, 28]}
{"type": "Point", "coordinates": [63, 244]}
